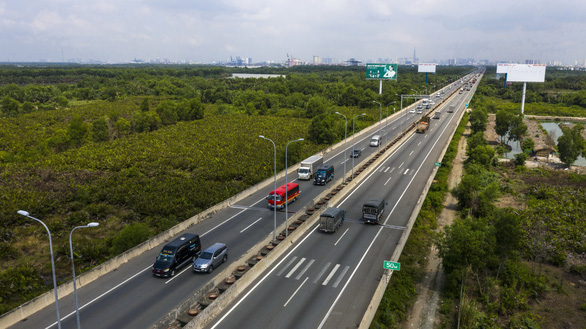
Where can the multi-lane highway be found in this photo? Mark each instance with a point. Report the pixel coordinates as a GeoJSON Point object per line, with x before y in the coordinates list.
{"type": "Point", "coordinates": [328, 280]}
{"type": "Point", "coordinates": [130, 297]}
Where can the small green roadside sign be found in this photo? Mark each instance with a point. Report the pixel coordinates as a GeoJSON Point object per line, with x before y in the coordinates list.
{"type": "Point", "coordinates": [381, 71]}
{"type": "Point", "coordinates": [387, 265]}
{"type": "Point", "coordinates": [437, 164]}
{"type": "Point", "coordinates": [466, 105]}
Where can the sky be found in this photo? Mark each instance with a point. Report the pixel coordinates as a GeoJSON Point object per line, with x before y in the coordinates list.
{"type": "Point", "coordinates": [114, 31]}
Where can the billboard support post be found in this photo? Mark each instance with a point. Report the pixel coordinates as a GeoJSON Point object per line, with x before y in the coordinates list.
{"type": "Point", "coordinates": [523, 98]}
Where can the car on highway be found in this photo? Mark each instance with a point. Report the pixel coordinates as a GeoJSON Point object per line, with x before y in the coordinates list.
{"type": "Point", "coordinates": [356, 153]}
{"type": "Point", "coordinates": [211, 258]}
{"type": "Point", "coordinates": [420, 106]}
{"type": "Point", "coordinates": [176, 254]}
{"type": "Point", "coordinates": [412, 111]}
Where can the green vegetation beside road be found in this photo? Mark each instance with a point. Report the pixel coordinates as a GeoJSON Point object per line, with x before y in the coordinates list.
{"type": "Point", "coordinates": [515, 257]}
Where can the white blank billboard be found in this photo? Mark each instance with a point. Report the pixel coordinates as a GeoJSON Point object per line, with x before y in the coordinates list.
{"type": "Point", "coordinates": [426, 67]}
{"type": "Point", "coordinates": [523, 72]}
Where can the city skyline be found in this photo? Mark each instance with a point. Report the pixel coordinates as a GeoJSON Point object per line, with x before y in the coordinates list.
{"type": "Point", "coordinates": [182, 31]}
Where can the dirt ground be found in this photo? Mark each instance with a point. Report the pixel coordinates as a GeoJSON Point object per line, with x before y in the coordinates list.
{"type": "Point", "coordinates": [423, 313]}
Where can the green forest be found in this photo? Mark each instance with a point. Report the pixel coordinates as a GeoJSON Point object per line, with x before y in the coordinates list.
{"type": "Point", "coordinates": [139, 149]}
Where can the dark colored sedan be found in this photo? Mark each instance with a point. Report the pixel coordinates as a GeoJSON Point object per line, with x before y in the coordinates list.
{"type": "Point", "coordinates": [356, 153]}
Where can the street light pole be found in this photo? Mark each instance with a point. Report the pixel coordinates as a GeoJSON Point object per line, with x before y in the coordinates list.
{"type": "Point", "coordinates": [353, 124]}
{"type": "Point", "coordinates": [345, 157]}
{"type": "Point", "coordinates": [387, 123]}
{"type": "Point", "coordinates": [92, 224]}
{"type": "Point", "coordinates": [380, 118]}
{"type": "Point", "coordinates": [275, 190]}
{"type": "Point", "coordinates": [26, 214]}
{"type": "Point", "coordinates": [287, 188]}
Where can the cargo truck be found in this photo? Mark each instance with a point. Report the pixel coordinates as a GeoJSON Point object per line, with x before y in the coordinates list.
{"type": "Point", "coordinates": [331, 219]}
{"type": "Point", "coordinates": [451, 108]}
{"type": "Point", "coordinates": [309, 167]}
{"type": "Point", "coordinates": [423, 125]}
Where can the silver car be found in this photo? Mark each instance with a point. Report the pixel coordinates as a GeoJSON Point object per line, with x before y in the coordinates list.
{"type": "Point", "coordinates": [211, 258]}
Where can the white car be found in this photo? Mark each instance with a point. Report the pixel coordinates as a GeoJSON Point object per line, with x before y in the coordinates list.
{"type": "Point", "coordinates": [412, 111]}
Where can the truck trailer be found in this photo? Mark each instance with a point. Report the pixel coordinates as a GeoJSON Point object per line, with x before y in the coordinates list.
{"type": "Point", "coordinates": [423, 125]}
{"type": "Point", "coordinates": [309, 167]}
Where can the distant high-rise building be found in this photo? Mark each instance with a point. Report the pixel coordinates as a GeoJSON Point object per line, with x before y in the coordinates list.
{"type": "Point", "coordinates": [532, 61]}
{"type": "Point", "coordinates": [316, 60]}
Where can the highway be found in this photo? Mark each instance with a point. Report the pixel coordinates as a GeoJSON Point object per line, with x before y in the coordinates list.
{"type": "Point", "coordinates": [130, 297]}
{"type": "Point", "coordinates": [328, 280]}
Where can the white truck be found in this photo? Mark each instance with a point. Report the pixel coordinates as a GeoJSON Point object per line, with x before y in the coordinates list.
{"type": "Point", "coordinates": [309, 167]}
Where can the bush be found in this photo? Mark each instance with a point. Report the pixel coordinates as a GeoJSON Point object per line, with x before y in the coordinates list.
{"type": "Point", "coordinates": [129, 237]}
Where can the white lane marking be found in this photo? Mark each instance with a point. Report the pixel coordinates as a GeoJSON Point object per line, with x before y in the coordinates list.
{"type": "Point", "coordinates": [247, 227]}
{"type": "Point", "coordinates": [329, 277]}
{"type": "Point", "coordinates": [411, 153]}
{"type": "Point", "coordinates": [392, 170]}
{"type": "Point", "coordinates": [387, 169]}
{"type": "Point", "coordinates": [405, 173]}
{"type": "Point", "coordinates": [322, 272]}
{"type": "Point", "coordinates": [388, 180]}
{"type": "Point", "coordinates": [341, 236]}
{"type": "Point", "coordinates": [304, 269]}
{"type": "Point", "coordinates": [286, 266]}
{"type": "Point", "coordinates": [100, 296]}
{"type": "Point", "coordinates": [229, 219]}
{"type": "Point", "coordinates": [401, 165]}
{"type": "Point", "coordinates": [295, 293]}
{"type": "Point", "coordinates": [335, 285]}
{"type": "Point", "coordinates": [295, 268]}
{"type": "Point", "coordinates": [418, 143]}
{"type": "Point", "coordinates": [380, 229]}
{"type": "Point", "coordinates": [261, 281]}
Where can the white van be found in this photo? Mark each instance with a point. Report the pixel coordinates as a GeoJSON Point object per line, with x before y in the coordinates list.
{"type": "Point", "coordinates": [375, 141]}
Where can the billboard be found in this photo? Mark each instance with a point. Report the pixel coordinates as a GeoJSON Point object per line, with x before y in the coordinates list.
{"type": "Point", "coordinates": [503, 68]}
{"type": "Point", "coordinates": [426, 67]}
{"type": "Point", "coordinates": [523, 72]}
{"type": "Point", "coordinates": [381, 71]}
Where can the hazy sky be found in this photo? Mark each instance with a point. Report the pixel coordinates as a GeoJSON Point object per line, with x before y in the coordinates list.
{"type": "Point", "coordinates": [214, 30]}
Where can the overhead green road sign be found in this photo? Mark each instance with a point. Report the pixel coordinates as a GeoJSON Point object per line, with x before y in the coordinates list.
{"type": "Point", "coordinates": [391, 266]}
{"type": "Point", "coordinates": [381, 71]}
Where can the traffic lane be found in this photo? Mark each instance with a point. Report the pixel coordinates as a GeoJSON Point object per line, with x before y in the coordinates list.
{"type": "Point", "coordinates": [355, 297]}
{"type": "Point", "coordinates": [353, 302]}
{"type": "Point", "coordinates": [317, 263]}
{"type": "Point", "coordinates": [327, 253]}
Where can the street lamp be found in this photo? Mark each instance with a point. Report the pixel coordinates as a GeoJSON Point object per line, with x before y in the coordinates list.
{"type": "Point", "coordinates": [380, 118]}
{"type": "Point", "coordinates": [275, 190]}
{"type": "Point", "coordinates": [92, 224]}
{"type": "Point", "coordinates": [387, 123]}
{"type": "Point", "coordinates": [345, 158]}
{"type": "Point", "coordinates": [26, 214]}
{"type": "Point", "coordinates": [353, 123]}
{"type": "Point", "coordinates": [287, 188]}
